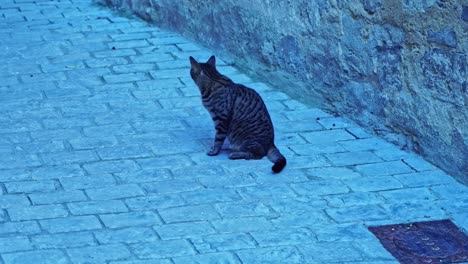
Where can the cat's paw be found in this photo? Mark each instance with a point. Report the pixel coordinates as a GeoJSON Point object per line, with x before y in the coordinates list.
{"type": "Point", "coordinates": [213, 151]}
{"type": "Point", "coordinates": [240, 155]}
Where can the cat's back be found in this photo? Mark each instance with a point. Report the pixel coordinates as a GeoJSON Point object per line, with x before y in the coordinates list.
{"type": "Point", "coordinates": [249, 104]}
{"type": "Point", "coordinates": [244, 93]}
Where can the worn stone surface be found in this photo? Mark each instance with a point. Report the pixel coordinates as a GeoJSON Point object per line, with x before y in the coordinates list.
{"type": "Point", "coordinates": [100, 165]}
{"type": "Point", "coordinates": [381, 63]}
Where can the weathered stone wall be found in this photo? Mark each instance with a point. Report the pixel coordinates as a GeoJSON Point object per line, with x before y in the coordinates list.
{"type": "Point", "coordinates": [398, 67]}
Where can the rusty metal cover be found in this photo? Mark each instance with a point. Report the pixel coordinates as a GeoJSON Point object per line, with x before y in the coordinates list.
{"type": "Point", "coordinates": [424, 242]}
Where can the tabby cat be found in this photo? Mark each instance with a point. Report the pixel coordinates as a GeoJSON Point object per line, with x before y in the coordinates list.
{"type": "Point", "coordinates": [238, 113]}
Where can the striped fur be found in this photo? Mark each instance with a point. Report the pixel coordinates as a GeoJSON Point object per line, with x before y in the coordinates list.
{"type": "Point", "coordinates": [238, 113]}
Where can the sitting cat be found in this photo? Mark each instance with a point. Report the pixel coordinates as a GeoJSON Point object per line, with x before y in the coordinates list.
{"type": "Point", "coordinates": [238, 113]}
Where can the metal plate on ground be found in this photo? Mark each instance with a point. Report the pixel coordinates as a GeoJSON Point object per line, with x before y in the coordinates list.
{"type": "Point", "coordinates": [424, 242]}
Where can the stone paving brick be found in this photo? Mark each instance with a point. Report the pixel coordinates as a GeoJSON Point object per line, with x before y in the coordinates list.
{"type": "Point", "coordinates": [286, 176]}
{"type": "Point", "coordinates": [158, 125]}
{"type": "Point", "coordinates": [55, 134]}
{"type": "Point", "coordinates": [56, 172]}
{"type": "Point", "coordinates": [124, 152]}
{"type": "Point", "coordinates": [86, 182]}
{"type": "Point", "coordinates": [70, 224]}
{"type": "Point", "coordinates": [353, 198]}
{"type": "Point", "coordinates": [19, 161]}
{"type": "Point", "coordinates": [266, 192]}
{"type": "Point", "coordinates": [353, 158]}
{"type": "Point", "coordinates": [242, 225]}
{"type": "Point", "coordinates": [339, 173]}
{"type": "Point", "coordinates": [23, 126]}
{"type": "Point", "coordinates": [284, 237]}
{"type": "Point", "coordinates": [129, 219]}
{"type": "Point", "coordinates": [234, 210]}
{"type": "Point", "coordinates": [98, 254]}
{"type": "Point", "coordinates": [223, 242]}
{"type": "Point", "coordinates": [154, 202]}
{"type": "Point", "coordinates": [3, 216]}
{"type": "Point", "coordinates": [115, 192]}
{"type": "Point", "coordinates": [128, 44]}
{"type": "Point", "coordinates": [371, 184]}
{"type": "Point", "coordinates": [384, 168]}
{"type": "Point", "coordinates": [228, 181]}
{"type": "Point", "coordinates": [222, 257]}
{"type": "Point", "coordinates": [334, 122]}
{"type": "Point", "coordinates": [97, 207]}
{"type": "Point", "coordinates": [177, 148]}
{"type": "Point", "coordinates": [454, 207]}
{"type": "Point", "coordinates": [326, 252]}
{"type": "Point", "coordinates": [8, 201]}
{"type": "Point", "coordinates": [172, 186]}
{"type": "Point", "coordinates": [37, 212]}
{"type": "Point", "coordinates": [296, 205]}
{"type": "Point", "coordinates": [152, 57]}
{"type": "Point", "coordinates": [40, 147]}
{"type": "Point", "coordinates": [189, 213]}
{"type": "Point", "coordinates": [57, 197]}
{"type": "Point", "coordinates": [426, 178]}
{"type": "Point", "coordinates": [308, 149]}
{"type": "Point", "coordinates": [129, 68]}
{"type": "Point", "coordinates": [34, 113]}
{"type": "Point", "coordinates": [358, 213]}
{"type": "Point", "coordinates": [195, 171]}
{"type": "Point", "coordinates": [19, 228]}
{"type": "Point", "coordinates": [343, 232]}
{"type": "Point", "coordinates": [461, 220]}
{"type": "Point", "coordinates": [327, 136]}
{"type": "Point", "coordinates": [185, 230]}
{"type": "Point", "coordinates": [365, 144]}
{"type": "Point", "coordinates": [31, 186]}
{"type": "Point", "coordinates": [125, 77]}
{"type": "Point", "coordinates": [126, 235]}
{"type": "Point", "coordinates": [114, 53]}
{"type": "Point", "coordinates": [212, 195]}
{"type": "Point", "coordinates": [148, 261]}
{"type": "Point", "coordinates": [313, 161]}
{"type": "Point", "coordinates": [415, 211]}
{"type": "Point", "coordinates": [67, 92]}
{"type": "Point", "coordinates": [12, 244]}
{"type": "Point", "coordinates": [36, 256]}
{"type": "Point", "coordinates": [408, 195]}
{"type": "Point", "coordinates": [162, 249]}
{"type": "Point", "coordinates": [131, 36]}
{"type": "Point", "coordinates": [298, 220]}
{"type": "Point", "coordinates": [282, 254]}
{"type": "Point", "coordinates": [65, 240]}
{"type": "Point", "coordinates": [142, 176]}
{"type": "Point", "coordinates": [111, 166]}
{"type": "Point", "coordinates": [7, 175]}
{"type": "Point", "coordinates": [69, 157]}
{"type": "Point", "coordinates": [315, 188]}
{"type": "Point", "coordinates": [105, 62]}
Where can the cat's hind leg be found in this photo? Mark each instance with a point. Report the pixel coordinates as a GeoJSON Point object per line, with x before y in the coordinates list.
{"type": "Point", "coordinates": [249, 150]}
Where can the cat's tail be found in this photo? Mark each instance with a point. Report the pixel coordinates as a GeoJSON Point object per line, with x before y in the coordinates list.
{"type": "Point", "coordinates": [277, 158]}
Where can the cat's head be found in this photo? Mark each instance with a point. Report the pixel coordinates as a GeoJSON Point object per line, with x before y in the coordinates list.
{"type": "Point", "coordinates": [200, 71]}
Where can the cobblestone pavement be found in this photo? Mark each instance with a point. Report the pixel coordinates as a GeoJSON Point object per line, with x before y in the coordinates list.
{"type": "Point", "coordinates": [103, 140]}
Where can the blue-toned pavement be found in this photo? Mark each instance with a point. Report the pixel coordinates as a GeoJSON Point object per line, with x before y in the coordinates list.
{"type": "Point", "coordinates": [103, 140]}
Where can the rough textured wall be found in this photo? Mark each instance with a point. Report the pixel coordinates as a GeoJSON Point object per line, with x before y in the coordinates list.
{"type": "Point", "coordinates": [396, 66]}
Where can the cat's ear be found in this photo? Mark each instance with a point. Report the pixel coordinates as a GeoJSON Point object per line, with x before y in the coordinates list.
{"type": "Point", "coordinates": [212, 61]}
{"type": "Point", "coordinates": [193, 62]}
